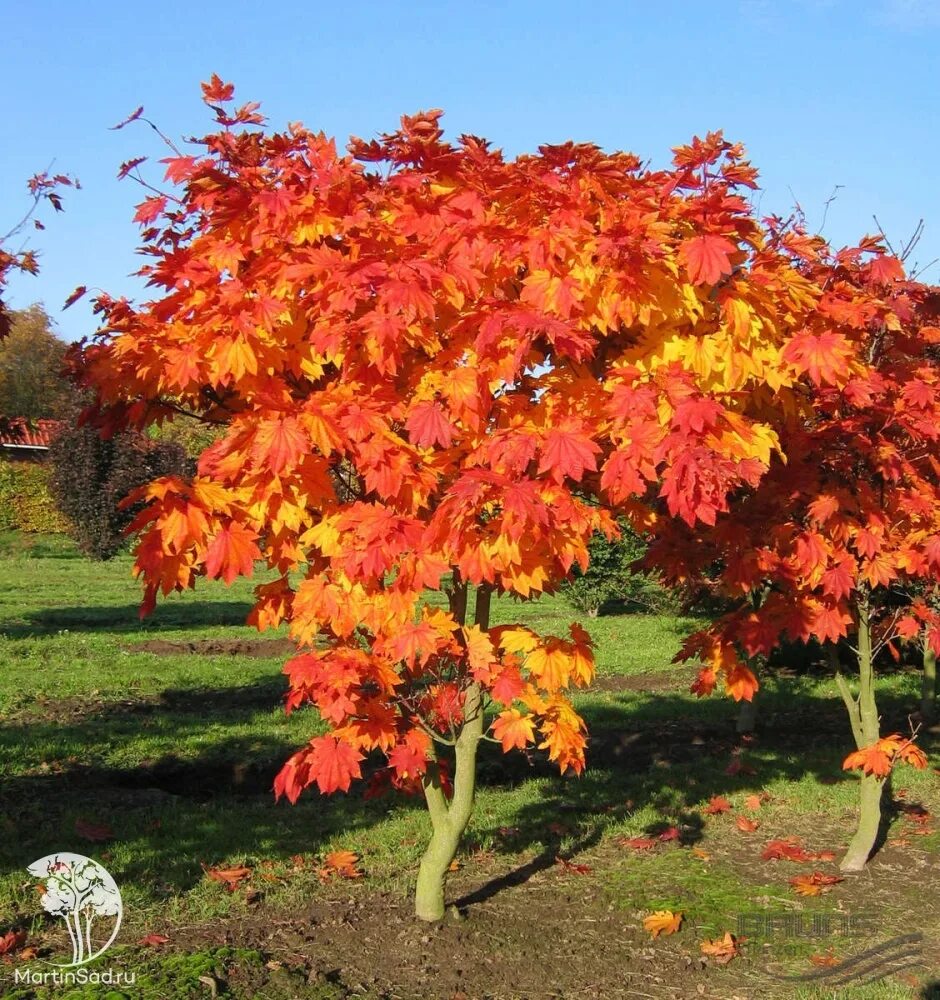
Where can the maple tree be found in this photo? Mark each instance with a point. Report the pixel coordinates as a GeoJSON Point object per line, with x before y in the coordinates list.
{"type": "Point", "coordinates": [842, 536]}
{"type": "Point", "coordinates": [439, 370]}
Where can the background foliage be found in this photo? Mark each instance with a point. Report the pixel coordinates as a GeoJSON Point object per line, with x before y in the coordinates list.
{"type": "Point", "coordinates": [613, 578]}
{"type": "Point", "coordinates": [26, 502]}
{"type": "Point", "coordinates": [90, 477]}
{"type": "Point", "coordinates": [31, 356]}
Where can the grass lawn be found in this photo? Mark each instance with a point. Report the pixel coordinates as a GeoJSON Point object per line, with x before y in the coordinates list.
{"type": "Point", "coordinates": [151, 746]}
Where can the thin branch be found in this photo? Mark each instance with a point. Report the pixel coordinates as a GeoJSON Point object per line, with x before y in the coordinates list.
{"type": "Point", "coordinates": [920, 270]}
{"type": "Point", "coordinates": [829, 201]}
{"type": "Point", "coordinates": [37, 198]}
{"type": "Point", "coordinates": [136, 176]}
{"type": "Point", "coordinates": [852, 704]}
{"type": "Point", "coordinates": [914, 240]}
{"type": "Point", "coordinates": [884, 236]}
{"type": "Point", "coordinates": [188, 413]}
{"type": "Point", "coordinates": [164, 137]}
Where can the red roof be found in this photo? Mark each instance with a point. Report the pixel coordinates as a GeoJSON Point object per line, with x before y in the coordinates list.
{"type": "Point", "coordinates": [16, 432]}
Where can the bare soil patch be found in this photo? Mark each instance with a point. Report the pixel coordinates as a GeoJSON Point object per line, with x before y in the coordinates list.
{"type": "Point", "coordinates": [666, 680]}
{"type": "Point", "coordinates": [556, 936]}
{"type": "Point", "coordinates": [214, 647]}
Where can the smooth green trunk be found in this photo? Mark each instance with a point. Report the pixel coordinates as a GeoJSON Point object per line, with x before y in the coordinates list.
{"type": "Point", "coordinates": [450, 819]}
{"type": "Point", "coordinates": [863, 715]}
{"type": "Point", "coordinates": [928, 691]}
{"type": "Point", "coordinates": [747, 715]}
{"type": "Point", "coordinates": [863, 840]}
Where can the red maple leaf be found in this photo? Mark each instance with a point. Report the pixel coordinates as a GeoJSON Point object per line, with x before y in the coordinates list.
{"type": "Point", "coordinates": [333, 764]}
{"type": "Point", "coordinates": [232, 552]}
{"type": "Point", "coordinates": [706, 258]}
{"type": "Point", "coordinates": [568, 451]}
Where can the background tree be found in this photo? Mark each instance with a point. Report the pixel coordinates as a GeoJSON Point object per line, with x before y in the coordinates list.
{"type": "Point", "coordinates": [42, 188]}
{"type": "Point", "coordinates": [470, 345]}
{"type": "Point", "coordinates": [31, 355]}
{"type": "Point", "coordinates": [614, 575]}
{"type": "Point", "coordinates": [91, 477]}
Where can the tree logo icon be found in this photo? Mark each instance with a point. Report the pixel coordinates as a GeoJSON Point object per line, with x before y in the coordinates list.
{"type": "Point", "coordinates": [84, 895]}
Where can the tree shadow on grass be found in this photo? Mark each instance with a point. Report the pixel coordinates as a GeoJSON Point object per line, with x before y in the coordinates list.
{"type": "Point", "coordinates": [174, 804]}
{"type": "Point", "coordinates": [168, 616]}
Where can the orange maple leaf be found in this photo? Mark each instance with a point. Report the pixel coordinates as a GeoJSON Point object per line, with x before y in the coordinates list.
{"type": "Point", "coordinates": [663, 922]}
{"type": "Point", "coordinates": [722, 949]}
{"type": "Point", "coordinates": [513, 729]}
{"type": "Point", "coordinates": [813, 885]}
{"type": "Point", "coordinates": [231, 878]}
{"type": "Point", "coordinates": [824, 357]}
{"type": "Point", "coordinates": [343, 863]}
{"type": "Point", "coordinates": [232, 552]}
{"type": "Point", "coordinates": [717, 804]}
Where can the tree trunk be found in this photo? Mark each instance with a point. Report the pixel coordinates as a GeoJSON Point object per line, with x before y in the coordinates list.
{"type": "Point", "coordinates": [863, 715]}
{"type": "Point", "coordinates": [928, 691]}
{"type": "Point", "coordinates": [747, 715]}
{"type": "Point", "coordinates": [869, 823]}
{"type": "Point", "coordinates": [450, 819]}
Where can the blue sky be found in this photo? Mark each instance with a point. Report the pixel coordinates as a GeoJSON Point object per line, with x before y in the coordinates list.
{"type": "Point", "coordinates": [822, 93]}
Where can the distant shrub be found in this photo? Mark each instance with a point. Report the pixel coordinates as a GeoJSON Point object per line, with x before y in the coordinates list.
{"type": "Point", "coordinates": [26, 502]}
{"type": "Point", "coordinates": [612, 578]}
{"type": "Point", "coordinates": [90, 477]}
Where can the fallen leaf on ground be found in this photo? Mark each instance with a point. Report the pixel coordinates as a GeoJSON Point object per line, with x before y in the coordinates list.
{"type": "Point", "coordinates": [343, 863]}
{"type": "Point", "coordinates": [824, 961]}
{"type": "Point", "coordinates": [672, 833]}
{"type": "Point", "coordinates": [637, 843]}
{"type": "Point", "coordinates": [914, 812]}
{"type": "Point", "coordinates": [722, 950]}
{"type": "Point", "coordinates": [752, 802]}
{"type": "Point", "coordinates": [700, 854]}
{"type": "Point", "coordinates": [12, 940]}
{"type": "Point", "coordinates": [717, 804]}
{"type": "Point", "coordinates": [153, 940]}
{"type": "Point", "coordinates": [662, 922]}
{"type": "Point", "coordinates": [813, 885]}
{"type": "Point", "coordinates": [575, 869]}
{"type": "Point", "coordinates": [231, 878]}
{"type": "Point", "coordinates": [792, 849]}
{"type": "Point", "coordinates": [746, 825]}
{"type": "Point", "coordinates": [97, 833]}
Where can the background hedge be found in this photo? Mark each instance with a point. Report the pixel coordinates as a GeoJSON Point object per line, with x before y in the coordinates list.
{"type": "Point", "coordinates": [26, 502]}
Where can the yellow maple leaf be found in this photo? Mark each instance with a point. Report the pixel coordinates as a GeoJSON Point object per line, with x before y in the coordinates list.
{"type": "Point", "coordinates": [663, 922]}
